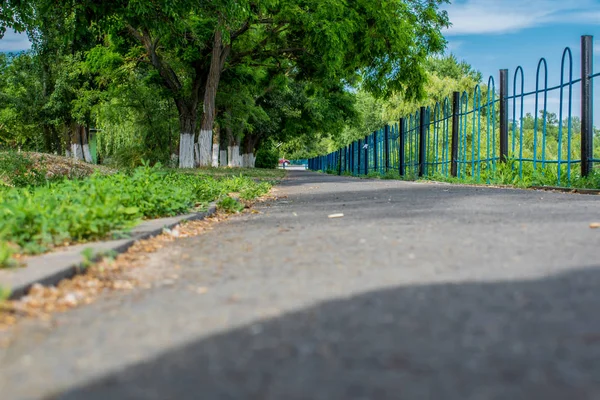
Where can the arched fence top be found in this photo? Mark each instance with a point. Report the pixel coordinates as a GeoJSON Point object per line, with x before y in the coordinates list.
{"type": "Point", "coordinates": [520, 127]}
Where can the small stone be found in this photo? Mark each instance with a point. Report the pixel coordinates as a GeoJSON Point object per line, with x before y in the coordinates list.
{"type": "Point", "coordinates": [70, 300]}
{"type": "Point", "coordinates": [202, 290]}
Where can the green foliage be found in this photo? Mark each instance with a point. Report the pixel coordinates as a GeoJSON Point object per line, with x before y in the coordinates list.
{"type": "Point", "coordinates": [252, 192]}
{"type": "Point", "coordinates": [35, 219]}
{"type": "Point", "coordinates": [6, 253]}
{"type": "Point", "coordinates": [19, 171]}
{"type": "Point", "coordinates": [391, 175]}
{"type": "Point", "coordinates": [230, 205]}
{"type": "Point", "coordinates": [89, 256]}
{"type": "Point", "coordinates": [267, 158]}
{"type": "Point", "coordinates": [5, 293]}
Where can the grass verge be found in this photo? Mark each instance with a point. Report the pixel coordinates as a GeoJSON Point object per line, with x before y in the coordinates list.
{"type": "Point", "coordinates": [36, 218]}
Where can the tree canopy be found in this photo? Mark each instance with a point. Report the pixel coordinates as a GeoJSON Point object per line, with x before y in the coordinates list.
{"type": "Point", "coordinates": [231, 73]}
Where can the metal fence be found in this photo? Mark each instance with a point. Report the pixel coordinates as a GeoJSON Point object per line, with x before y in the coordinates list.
{"type": "Point", "coordinates": [472, 134]}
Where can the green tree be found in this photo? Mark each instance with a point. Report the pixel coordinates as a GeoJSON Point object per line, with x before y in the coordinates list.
{"type": "Point", "coordinates": [191, 43]}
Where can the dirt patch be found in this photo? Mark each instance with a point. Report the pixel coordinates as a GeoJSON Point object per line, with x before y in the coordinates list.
{"type": "Point", "coordinates": [59, 166]}
{"type": "Point", "coordinates": [13, 165]}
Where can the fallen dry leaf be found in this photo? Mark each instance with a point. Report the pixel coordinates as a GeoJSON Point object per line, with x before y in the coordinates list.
{"type": "Point", "coordinates": [336, 216]}
{"type": "Point", "coordinates": [595, 225]}
{"type": "Point", "coordinates": [107, 275]}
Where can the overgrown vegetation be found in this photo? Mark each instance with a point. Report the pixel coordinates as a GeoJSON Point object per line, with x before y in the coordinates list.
{"type": "Point", "coordinates": [35, 219]}
{"type": "Point", "coordinates": [267, 158]}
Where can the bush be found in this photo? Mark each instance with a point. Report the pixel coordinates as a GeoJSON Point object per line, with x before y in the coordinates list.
{"type": "Point", "coordinates": [266, 158]}
{"type": "Point", "coordinates": [18, 170]}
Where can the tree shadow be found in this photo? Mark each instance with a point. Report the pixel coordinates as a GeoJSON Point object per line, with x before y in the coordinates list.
{"type": "Point", "coordinates": [535, 339]}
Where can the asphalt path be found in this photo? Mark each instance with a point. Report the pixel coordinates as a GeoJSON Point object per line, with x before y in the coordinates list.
{"type": "Point", "coordinates": [420, 291]}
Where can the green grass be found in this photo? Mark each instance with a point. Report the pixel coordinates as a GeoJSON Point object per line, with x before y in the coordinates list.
{"type": "Point", "coordinates": [254, 173]}
{"type": "Point", "coordinates": [33, 219]}
{"type": "Point", "coordinates": [505, 174]}
{"type": "Point", "coordinates": [230, 205]}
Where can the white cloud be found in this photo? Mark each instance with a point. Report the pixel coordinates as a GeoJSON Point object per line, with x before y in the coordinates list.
{"type": "Point", "coordinates": [454, 45]}
{"type": "Point", "coordinates": [13, 42]}
{"type": "Point", "coordinates": [506, 16]}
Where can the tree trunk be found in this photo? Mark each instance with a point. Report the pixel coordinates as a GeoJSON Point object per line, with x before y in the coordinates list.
{"type": "Point", "coordinates": [187, 127]}
{"type": "Point", "coordinates": [76, 141]}
{"type": "Point", "coordinates": [187, 107]}
{"type": "Point", "coordinates": [219, 56]}
{"type": "Point", "coordinates": [248, 150]}
{"type": "Point", "coordinates": [87, 155]}
{"type": "Point", "coordinates": [215, 148]}
{"type": "Point", "coordinates": [233, 153]}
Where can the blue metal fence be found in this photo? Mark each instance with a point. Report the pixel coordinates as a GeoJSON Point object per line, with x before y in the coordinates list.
{"type": "Point", "coordinates": [469, 135]}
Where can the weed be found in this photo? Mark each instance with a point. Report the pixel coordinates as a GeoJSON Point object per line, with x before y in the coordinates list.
{"type": "Point", "coordinates": [6, 256]}
{"type": "Point", "coordinates": [89, 257]}
{"type": "Point", "coordinates": [391, 175]}
{"type": "Point", "coordinates": [5, 293]}
{"type": "Point", "coordinates": [38, 218]}
{"type": "Point", "coordinates": [230, 205]}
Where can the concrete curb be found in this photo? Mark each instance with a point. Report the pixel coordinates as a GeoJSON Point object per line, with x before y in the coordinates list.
{"type": "Point", "coordinates": [49, 269]}
{"type": "Point", "coordinates": [567, 190]}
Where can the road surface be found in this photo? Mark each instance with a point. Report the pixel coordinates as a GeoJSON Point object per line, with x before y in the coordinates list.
{"type": "Point", "coordinates": [421, 291]}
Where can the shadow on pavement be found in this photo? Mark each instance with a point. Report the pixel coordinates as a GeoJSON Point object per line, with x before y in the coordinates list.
{"type": "Point", "coordinates": [537, 339]}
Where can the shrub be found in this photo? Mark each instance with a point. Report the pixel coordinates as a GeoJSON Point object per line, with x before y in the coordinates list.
{"type": "Point", "coordinates": [20, 171]}
{"type": "Point", "coordinates": [266, 158]}
{"type": "Point", "coordinates": [230, 205]}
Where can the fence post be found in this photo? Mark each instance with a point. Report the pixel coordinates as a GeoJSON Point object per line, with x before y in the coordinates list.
{"type": "Point", "coordinates": [587, 112]}
{"type": "Point", "coordinates": [503, 115]}
{"type": "Point", "coordinates": [354, 160]}
{"type": "Point", "coordinates": [366, 145]}
{"type": "Point", "coordinates": [455, 130]}
{"type": "Point", "coordinates": [386, 134]}
{"type": "Point", "coordinates": [339, 161]}
{"type": "Point", "coordinates": [375, 152]}
{"type": "Point", "coordinates": [359, 157]}
{"type": "Point", "coordinates": [351, 158]}
{"type": "Point", "coordinates": [422, 142]}
{"type": "Point", "coordinates": [401, 146]}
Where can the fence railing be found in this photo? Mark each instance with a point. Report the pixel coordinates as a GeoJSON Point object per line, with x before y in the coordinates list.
{"type": "Point", "coordinates": [471, 134]}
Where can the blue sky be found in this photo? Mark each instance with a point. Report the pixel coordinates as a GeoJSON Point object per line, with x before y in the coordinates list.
{"type": "Point", "coordinates": [494, 34]}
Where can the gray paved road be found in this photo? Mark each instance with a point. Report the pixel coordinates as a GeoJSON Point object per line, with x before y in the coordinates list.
{"type": "Point", "coordinates": [420, 292]}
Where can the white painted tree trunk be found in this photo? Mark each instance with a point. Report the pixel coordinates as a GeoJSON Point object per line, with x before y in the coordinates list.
{"type": "Point", "coordinates": [205, 142]}
{"type": "Point", "coordinates": [247, 160]}
{"type": "Point", "coordinates": [186, 150]}
{"type": "Point", "coordinates": [235, 160]}
{"type": "Point", "coordinates": [87, 155]}
{"type": "Point", "coordinates": [215, 155]}
{"type": "Point", "coordinates": [77, 151]}
{"type": "Point", "coordinates": [223, 158]}
{"type": "Point", "coordinates": [197, 154]}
